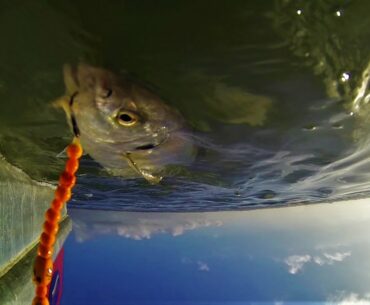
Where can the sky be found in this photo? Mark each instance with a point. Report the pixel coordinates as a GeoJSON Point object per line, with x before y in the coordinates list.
{"type": "Point", "coordinates": [313, 253]}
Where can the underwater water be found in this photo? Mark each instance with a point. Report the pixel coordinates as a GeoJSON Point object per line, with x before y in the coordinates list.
{"type": "Point", "coordinates": [276, 97]}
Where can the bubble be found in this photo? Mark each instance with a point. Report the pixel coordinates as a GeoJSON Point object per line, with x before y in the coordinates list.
{"type": "Point", "coordinates": [345, 77]}
{"type": "Point", "coordinates": [299, 12]}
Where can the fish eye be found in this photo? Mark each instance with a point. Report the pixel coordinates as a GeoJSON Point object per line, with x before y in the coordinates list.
{"type": "Point", "coordinates": [127, 118]}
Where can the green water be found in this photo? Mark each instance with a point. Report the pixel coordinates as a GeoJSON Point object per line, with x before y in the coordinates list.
{"type": "Point", "coordinates": [260, 80]}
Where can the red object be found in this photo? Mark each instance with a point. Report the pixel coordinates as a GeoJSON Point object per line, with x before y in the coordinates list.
{"type": "Point", "coordinates": [43, 267]}
{"type": "Point", "coordinates": [56, 286]}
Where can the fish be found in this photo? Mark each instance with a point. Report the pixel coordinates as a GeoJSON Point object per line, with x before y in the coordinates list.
{"type": "Point", "coordinates": [124, 126]}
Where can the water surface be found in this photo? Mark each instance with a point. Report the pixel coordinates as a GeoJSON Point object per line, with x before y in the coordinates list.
{"type": "Point", "coordinates": [316, 254]}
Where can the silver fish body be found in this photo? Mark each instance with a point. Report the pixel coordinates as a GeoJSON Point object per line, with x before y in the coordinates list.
{"type": "Point", "coordinates": [124, 126]}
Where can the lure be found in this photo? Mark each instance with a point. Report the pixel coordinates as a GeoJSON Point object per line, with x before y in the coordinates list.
{"type": "Point", "coordinates": [43, 265]}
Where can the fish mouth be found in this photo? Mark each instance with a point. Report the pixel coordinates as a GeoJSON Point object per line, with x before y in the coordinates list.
{"type": "Point", "coordinates": [147, 146]}
{"type": "Point", "coordinates": [152, 145]}
{"type": "Point", "coordinates": [151, 178]}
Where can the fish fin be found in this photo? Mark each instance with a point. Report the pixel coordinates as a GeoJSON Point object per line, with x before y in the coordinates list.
{"type": "Point", "coordinates": [62, 102]}
{"type": "Point", "coordinates": [152, 179]}
{"type": "Point", "coordinates": [63, 153]}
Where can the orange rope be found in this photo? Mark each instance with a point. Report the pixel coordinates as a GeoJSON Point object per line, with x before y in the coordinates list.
{"type": "Point", "coordinates": [43, 265]}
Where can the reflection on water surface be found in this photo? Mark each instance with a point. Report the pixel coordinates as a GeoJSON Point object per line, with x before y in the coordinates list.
{"type": "Point", "coordinates": [309, 253]}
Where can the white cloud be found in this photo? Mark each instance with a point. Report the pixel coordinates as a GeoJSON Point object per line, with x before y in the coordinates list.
{"type": "Point", "coordinates": [336, 257]}
{"type": "Point", "coordinates": [319, 260]}
{"type": "Point", "coordinates": [296, 262]}
{"type": "Point", "coordinates": [202, 266]}
{"type": "Point", "coordinates": [330, 259]}
{"type": "Point", "coordinates": [177, 231]}
{"type": "Point", "coordinates": [138, 226]}
{"type": "Point", "coordinates": [343, 298]}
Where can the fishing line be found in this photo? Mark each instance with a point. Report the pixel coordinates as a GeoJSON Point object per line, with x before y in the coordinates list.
{"type": "Point", "coordinates": [43, 265]}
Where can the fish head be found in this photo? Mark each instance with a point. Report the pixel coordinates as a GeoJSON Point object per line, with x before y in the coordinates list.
{"type": "Point", "coordinates": [116, 117]}
{"type": "Point", "coordinates": [112, 109]}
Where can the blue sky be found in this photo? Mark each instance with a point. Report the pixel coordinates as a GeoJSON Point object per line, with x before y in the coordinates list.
{"type": "Point", "coordinates": [307, 253]}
